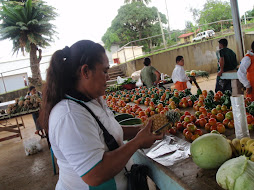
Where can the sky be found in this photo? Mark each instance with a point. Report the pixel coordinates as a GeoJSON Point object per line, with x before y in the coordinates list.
{"type": "Point", "coordinates": [89, 19]}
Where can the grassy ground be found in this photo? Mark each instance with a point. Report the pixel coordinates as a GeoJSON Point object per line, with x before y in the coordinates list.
{"type": "Point", "coordinates": [249, 30]}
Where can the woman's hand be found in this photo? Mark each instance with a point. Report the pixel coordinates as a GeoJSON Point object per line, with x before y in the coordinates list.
{"type": "Point", "coordinates": [146, 138]}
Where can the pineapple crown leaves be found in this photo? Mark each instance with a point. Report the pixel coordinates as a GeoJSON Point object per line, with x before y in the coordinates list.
{"type": "Point", "coordinates": [173, 116]}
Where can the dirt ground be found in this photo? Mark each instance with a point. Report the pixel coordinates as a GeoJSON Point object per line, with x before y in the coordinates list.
{"type": "Point", "coordinates": [18, 171]}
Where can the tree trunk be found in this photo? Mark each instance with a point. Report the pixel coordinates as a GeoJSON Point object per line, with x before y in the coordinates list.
{"type": "Point", "coordinates": [35, 67]}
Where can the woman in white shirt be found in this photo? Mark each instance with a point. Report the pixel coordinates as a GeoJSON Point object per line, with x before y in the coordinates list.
{"type": "Point", "coordinates": [246, 72]}
{"type": "Point", "coordinates": [76, 81]}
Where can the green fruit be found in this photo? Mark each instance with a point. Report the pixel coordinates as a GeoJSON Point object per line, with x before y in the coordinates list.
{"type": "Point", "coordinates": [123, 116]}
{"type": "Point", "coordinates": [131, 121]}
{"type": "Point", "coordinates": [210, 151]}
{"type": "Point", "coordinates": [236, 174]}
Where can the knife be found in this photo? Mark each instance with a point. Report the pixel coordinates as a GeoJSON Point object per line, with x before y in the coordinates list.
{"type": "Point", "coordinates": [157, 130]}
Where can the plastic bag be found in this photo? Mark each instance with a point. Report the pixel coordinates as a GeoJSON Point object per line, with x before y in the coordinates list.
{"type": "Point", "coordinates": [32, 146]}
{"type": "Point", "coordinates": [139, 83]}
{"type": "Point", "coordinates": [239, 114]}
{"type": "Point", "coordinates": [136, 75]}
{"type": "Point", "coordinates": [120, 80]}
{"type": "Point", "coordinates": [169, 150]}
{"type": "Point", "coordinates": [189, 85]}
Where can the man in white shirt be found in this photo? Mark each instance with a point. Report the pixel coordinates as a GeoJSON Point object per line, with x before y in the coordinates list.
{"type": "Point", "coordinates": [178, 76]}
{"type": "Point", "coordinates": [246, 72]}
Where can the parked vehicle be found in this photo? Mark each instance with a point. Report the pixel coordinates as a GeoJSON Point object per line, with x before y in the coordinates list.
{"type": "Point", "coordinates": [204, 35]}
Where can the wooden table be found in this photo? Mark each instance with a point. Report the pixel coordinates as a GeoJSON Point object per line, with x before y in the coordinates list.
{"type": "Point", "coordinates": [6, 125]}
{"type": "Point", "coordinates": [237, 87]}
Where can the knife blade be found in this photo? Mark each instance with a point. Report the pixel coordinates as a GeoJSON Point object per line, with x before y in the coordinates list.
{"type": "Point", "coordinates": [157, 130]}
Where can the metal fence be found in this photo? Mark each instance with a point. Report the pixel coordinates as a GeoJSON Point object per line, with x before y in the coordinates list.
{"type": "Point", "coordinates": [15, 74]}
{"type": "Point", "coordinates": [128, 51]}
{"type": "Point", "coordinates": [156, 43]}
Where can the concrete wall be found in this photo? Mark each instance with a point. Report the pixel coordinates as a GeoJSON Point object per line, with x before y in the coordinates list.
{"type": "Point", "coordinates": [12, 95]}
{"type": "Point", "coordinates": [249, 38]}
{"type": "Point", "coordinates": [199, 56]}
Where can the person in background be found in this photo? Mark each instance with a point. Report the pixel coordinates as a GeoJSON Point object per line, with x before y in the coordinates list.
{"type": "Point", "coordinates": [73, 113]}
{"type": "Point", "coordinates": [39, 131]}
{"type": "Point", "coordinates": [246, 72]}
{"type": "Point", "coordinates": [178, 76]}
{"type": "Point", "coordinates": [149, 75]}
{"type": "Point", "coordinates": [227, 62]}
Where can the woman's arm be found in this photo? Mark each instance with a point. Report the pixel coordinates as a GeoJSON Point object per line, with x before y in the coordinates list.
{"type": "Point", "coordinates": [130, 132]}
{"type": "Point", "coordinates": [158, 76]}
{"type": "Point", "coordinates": [114, 161]}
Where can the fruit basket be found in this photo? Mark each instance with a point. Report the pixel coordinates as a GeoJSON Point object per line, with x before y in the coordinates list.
{"type": "Point", "coordinates": [129, 86]}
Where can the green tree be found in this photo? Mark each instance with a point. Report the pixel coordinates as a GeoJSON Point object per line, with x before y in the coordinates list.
{"type": "Point", "coordinates": [28, 26]}
{"type": "Point", "coordinates": [134, 21]}
{"type": "Point", "coordinates": [133, 1]}
{"type": "Point", "coordinates": [214, 10]}
{"type": "Point", "coordinates": [190, 27]}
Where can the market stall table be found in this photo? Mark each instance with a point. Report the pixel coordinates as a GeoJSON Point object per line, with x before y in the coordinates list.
{"type": "Point", "coordinates": [237, 87]}
{"type": "Point", "coordinates": [7, 126]}
{"type": "Point", "coordinates": [182, 175]}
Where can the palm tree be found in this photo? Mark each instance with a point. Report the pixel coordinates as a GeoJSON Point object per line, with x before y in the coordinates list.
{"type": "Point", "coordinates": [28, 26]}
{"type": "Point", "coordinates": [132, 1]}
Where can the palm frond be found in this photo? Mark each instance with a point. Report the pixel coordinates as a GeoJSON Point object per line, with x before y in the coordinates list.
{"type": "Point", "coordinates": [20, 24]}
{"type": "Point", "coordinates": [33, 22]}
{"type": "Point", "coordinates": [27, 23]}
{"type": "Point", "coordinates": [28, 10]}
{"type": "Point", "coordinates": [8, 13]}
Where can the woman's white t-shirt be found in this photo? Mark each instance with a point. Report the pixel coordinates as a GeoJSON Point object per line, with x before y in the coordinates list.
{"type": "Point", "coordinates": [78, 143]}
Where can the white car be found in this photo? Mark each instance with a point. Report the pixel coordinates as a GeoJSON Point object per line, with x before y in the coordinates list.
{"type": "Point", "coordinates": [204, 35]}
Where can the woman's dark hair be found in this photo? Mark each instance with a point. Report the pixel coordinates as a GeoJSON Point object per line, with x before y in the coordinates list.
{"type": "Point", "coordinates": [179, 58]}
{"type": "Point", "coordinates": [252, 46]}
{"type": "Point", "coordinates": [31, 88]}
{"type": "Point", "coordinates": [147, 61]}
{"type": "Point", "coordinates": [62, 74]}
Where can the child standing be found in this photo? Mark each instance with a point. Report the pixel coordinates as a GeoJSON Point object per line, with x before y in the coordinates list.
{"type": "Point", "coordinates": [178, 76]}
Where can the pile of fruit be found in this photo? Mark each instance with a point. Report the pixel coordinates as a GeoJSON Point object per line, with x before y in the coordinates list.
{"type": "Point", "coordinates": [243, 146]}
{"type": "Point", "coordinates": [213, 151]}
{"type": "Point", "coordinates": [22, 104]}
{"type": "Point", "coordinates": [213, 110]}
{"type": "Point", "coordinates": [197, 73]}
{"type": "Point", "coordinates": [213, 114]}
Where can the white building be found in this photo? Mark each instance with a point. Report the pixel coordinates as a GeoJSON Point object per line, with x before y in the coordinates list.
{"type": "Point", "coordinates": [127, 53]}
{"type": "Point", "coordinates": [13, 82]}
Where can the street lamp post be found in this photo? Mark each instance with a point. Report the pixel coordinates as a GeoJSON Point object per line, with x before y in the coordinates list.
{"type": "Point", "coordinates": [168, 20]}
{"type": "Point", "coordinates": [237, 28]}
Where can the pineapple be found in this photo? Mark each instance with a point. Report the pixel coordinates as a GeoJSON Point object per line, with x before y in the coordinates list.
{"type": "Point", "coordinates": [159, 120]}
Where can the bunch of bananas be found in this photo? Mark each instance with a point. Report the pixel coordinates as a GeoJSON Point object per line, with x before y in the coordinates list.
{"type": "Point", "coordinates": [244, 146]}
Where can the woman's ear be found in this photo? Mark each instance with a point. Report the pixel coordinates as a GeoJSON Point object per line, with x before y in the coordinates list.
{"type": "Point", "coordinates": [84, 71]}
